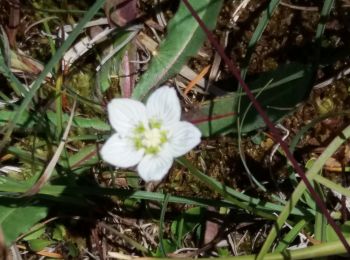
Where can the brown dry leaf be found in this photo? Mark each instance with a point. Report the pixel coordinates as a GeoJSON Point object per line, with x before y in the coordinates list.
{"type": "Point", "coordinates": [127, 71]}
{"type": "Point", "coordinates": [25, 64]}
{"type": "Point", "coordinates": [120, 12]}
{"type": "Point", "coordinates": [347, 154]}
{"type": "Point", "coordinates": [211, 229]}
{"type": "Point", "coordinates": [333, 164]}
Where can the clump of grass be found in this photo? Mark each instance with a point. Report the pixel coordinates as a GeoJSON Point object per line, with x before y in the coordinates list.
{"type": "Point", "coordinates": [210, 197]}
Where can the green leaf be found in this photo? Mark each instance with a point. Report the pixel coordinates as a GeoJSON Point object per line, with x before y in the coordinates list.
{"type": "Point", "coordinates": [93, 123]}
{"type": "Point", "coordinates": [183, 40]}
{"type": "Point", "coordinates": [25, 120]}
{"type": "Point", "coordinates": [59, 233]}
{"type": "Point", "coordinates": [241, 200]}
{"type": "Point", "coordinates": [73, 250]}
{"type": "Point", "coordinates": [111, 67]}
{"type": "Point", "coordinates": [39, 244]}
{"type": "Point", "coordinates": [186, 223]}
{"type": "Point", "coordinates": [169, 247]}
{"type": "Point", "coordinates": [18, 216]}
{"type": "Point", "coordinates": [48, 69]}
{"type": "Point", "coordinates": [290, 236]}
{"type": "Point", "coordinates": [223, 252]}
{"type": "Point", "coordinates": [86, 157]}
{"type": "Point", "coordinates": [29, 120]}
{"type": "Point", "coordinates": [332, 236]}
{"type": "Point", "coordinates": [298, 191]}
{"type": "Point", "coordinates": [285, 87]}
{"type": "Point", "coordinates": [36, 234]}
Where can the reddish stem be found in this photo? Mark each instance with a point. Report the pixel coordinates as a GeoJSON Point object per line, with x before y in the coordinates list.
{"type": "Point", "coordinates": [233, 68]}
{"type": "Point", "coordinates": [200, 120]}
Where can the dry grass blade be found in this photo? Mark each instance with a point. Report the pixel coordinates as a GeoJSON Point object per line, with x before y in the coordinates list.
{"type": "Point", "coordinates": [215, 68]}
{"type": "Point", "coordinates": [301, 8]}
{"type": "Point", "coordinates": [331, 80]}
{"type": "Point", "coordinates": [120, 256]}
{"type": "Point", "coordinates": [46, 253]}
{"type": "Point", "coordinates": [242, 6]}
{"type": "Point", "coordinates": [197, 79]}
{"type": "Point", "coordinates": [51, 166]}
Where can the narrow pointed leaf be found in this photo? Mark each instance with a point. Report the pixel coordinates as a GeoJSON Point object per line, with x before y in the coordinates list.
{"type": "Point", "coordinates": [28, 120]}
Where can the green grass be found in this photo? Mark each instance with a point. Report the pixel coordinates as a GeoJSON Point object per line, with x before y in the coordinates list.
{"type": "Point", "coordinates": [68, 175]}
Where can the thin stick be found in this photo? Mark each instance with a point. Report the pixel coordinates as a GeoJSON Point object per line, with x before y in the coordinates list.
{"type": "Point", "coordinates": [196, 79]}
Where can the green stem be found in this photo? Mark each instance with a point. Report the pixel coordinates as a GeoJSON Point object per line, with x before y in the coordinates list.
{"type": "Point", "coordinates": [320, 220]}
{"type": "Point", "coordinates": [161, 224]}
{"type": "Point", "coordinates": [290, 236]}
{"type": "Point", "coordinates": [58, 101]}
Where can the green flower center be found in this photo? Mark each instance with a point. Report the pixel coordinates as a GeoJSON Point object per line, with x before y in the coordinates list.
{"type": "Point", "coordinates": [150, 138]}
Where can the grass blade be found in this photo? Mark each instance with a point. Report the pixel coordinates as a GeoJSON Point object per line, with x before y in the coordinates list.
{"type": "Point", "coordinates": [233, 69]}
{"type": "Point", "coordinates": [314, 170]}
{"type": "Point", "coordinates": [48, 68]}
{"type": "Point", "coordinates": [290, 236]}
{"type": "Point", "coordinates": [51, 166]}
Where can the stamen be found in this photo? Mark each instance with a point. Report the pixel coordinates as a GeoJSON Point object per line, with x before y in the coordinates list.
{"type": "Point", "coordinates": [150, 139]}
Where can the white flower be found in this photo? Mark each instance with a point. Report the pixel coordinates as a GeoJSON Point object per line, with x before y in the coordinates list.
{"type": "Point", "coordinates": [150, 136]}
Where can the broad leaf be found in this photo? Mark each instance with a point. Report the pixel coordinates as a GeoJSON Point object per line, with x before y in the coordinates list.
{"type": "Point", "coordinates": [18, 216]}
{"type": "Point", "coordinates": [111, 66]}
{"type": "Point", "coordinates": [278, 92]}
{"type": "Point", "coordinates": [84, 158]}
{"type": "Point", "coordinates": [39, 244]}
{"type": "Point", "coordinates": [332, 236]}
{"type": "Point", "coordinates": [183, 40]}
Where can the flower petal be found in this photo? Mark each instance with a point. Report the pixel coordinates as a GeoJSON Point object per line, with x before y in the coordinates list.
{"type": "Point", "coordinates": [164, 105]}
{"type": "Point", "coordinates": [120, 152]}
{"type": "Point", "coordinates": [154, 167]}
{"type": "Point", "coordinates": [125, 114]}
{"type": "Point", "coordinates": [184, 137]}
